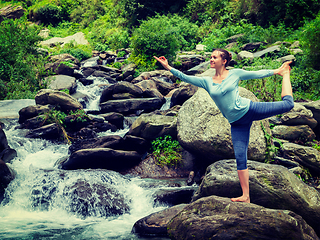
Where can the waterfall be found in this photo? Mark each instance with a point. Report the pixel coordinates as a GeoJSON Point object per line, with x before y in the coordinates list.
{"type": "Point", "coordinates": [35, 206]}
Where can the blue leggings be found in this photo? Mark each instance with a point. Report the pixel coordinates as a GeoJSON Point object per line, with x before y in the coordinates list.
{"type": "Point", "coordinates": [240, 129]}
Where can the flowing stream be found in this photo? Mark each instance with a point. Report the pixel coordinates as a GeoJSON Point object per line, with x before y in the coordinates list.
{"type": "Point", "coordinates": [35, 206]}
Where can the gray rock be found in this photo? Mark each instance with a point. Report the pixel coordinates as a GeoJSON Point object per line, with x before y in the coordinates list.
{"type": "Point", "coordinates": [218, 218]}
{"type": "Point", "coordinates": [6, 176]}
{"type": "Point", "coordinates": [203, 130]}
{"type": "Point", "coordinates": [65, 101]}
{"type": "Point", "coordinates": [79, 38]}
{"type": "Point", "coordinates": [60, 82]}
{"type": "Point", "coordinates": [271, 186]}
{"type": "Point", "coordinates": [293, 133]}
{"type": "Point", "coordinates": [306, 156]}
{"type": "Point", "coordinates": [150, 126]}
{"type": "Point", "coordinates": [266, 51]}
{"type": "Point", "coordinates": [245, 55]}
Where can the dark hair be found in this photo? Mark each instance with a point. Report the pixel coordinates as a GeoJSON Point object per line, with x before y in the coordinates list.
{"type": "Point", "coordinates": [224, 55]}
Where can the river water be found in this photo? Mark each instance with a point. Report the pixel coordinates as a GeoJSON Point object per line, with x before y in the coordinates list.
{"type": "Point", "coordinates": [37, 174]}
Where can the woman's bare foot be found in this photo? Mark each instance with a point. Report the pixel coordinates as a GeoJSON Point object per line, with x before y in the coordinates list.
{"type": "Point", "coordinates": [241, 199]}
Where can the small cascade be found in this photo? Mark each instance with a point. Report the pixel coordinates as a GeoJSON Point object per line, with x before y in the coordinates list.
{"type": "Point", "coordinates": [40, 202]}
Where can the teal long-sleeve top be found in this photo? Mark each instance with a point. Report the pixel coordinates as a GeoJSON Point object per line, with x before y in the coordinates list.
{"type": "Point", "coordinates": [226, 94]}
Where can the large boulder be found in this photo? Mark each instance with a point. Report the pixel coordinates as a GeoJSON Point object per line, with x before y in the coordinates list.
{"type": "Point", "coordinates": [105, 158]}
{"type": "Point", "coordinates": [218, 218]}
{"type": "Point", "coordinates": [314, 107]}
{"type": "Point", "coordinates": [150, 126]}
{"type": "Point", "coordinates": [306, 156]}
{"type": "Point", "coordinates": [271, 186]}
{"type": "Point", "coordinates": [57, 98]}
{"type": "Point", "coordinates": [155, 224]}
{"type": "Point", "coordinates": [203, 130]}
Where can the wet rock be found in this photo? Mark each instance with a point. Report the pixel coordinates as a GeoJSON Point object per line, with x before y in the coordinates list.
{"type": "Point", "coordinates": [87, 193]}
{"type": "Point", "coordinates": [95, 199]}
{"type": "Point", "coordinates": [127, 106]}
{"type": "Point", "coordinates": [57, 98]}
{"type": "Point", "coordinates": [6, 176]}
{"type": "Point", "coordinates": [218, 218]}
{"type": "Point", "coordinates": [203, 130]}
{"type": "Point", "coordinates": [306, 156]}
{"type": "Point", "coordinates": [114, 118]}
{"type": "Point", "coordinates": [155, 225]}
{"type": "Point", "coordinates": [6, 152]}
{"type": "Point", "coordinates": [174, 197]}
{"type": "Point", "coordinates": [50, 131]}
{"type": "Point", "coordinates": [105, 158]}
{"type": "Point", "coordinates": [271, 186]}
{"type": "Point", "coordinates": [33, 111]}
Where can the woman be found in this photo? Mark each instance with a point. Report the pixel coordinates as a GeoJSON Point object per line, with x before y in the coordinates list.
{"type": "Point", "coordinates": [240, 112]}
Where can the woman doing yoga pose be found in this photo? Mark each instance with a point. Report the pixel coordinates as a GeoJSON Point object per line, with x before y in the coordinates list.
{"type": "Point", "coordinates": [240, 112]}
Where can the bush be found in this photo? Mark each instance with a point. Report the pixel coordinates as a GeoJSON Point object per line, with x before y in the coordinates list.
{"type": "Point", "coordinates": [310, 40]}
{"type": "Point", "coordinates": [19, 62]}
{"type": "Point", "coordinates": [49, 14]}
{"type": "Point", "coordinates": [155, 37]}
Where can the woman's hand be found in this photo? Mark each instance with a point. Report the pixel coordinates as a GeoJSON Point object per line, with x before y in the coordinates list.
{"type": "Point", "coordinates": [284, 69]}
{"type": "Point", "coordinates": [164, 62]}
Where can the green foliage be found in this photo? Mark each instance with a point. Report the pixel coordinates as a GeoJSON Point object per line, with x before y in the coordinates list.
{"type": "Point", "coordinates": [136, 10]}
{"type": "Point", "coordinates": [59, 117]}
{"type": "Point", "coordinates": [87, 11]}
{"type": "Point", "coordinates": [271, 148]}
{"type": "Point", "coordinates": [310, 39]}
{"type": "Point", "coordinates": [166, 151]}
{"type": "Point", "coordinates": [162, 35]}
{"type": "Point", "coordinates": [49, 14]}
{"type": "Point", "coordinates": [20, 64]}
{"type": "Point", "coordinates": [266, 89]}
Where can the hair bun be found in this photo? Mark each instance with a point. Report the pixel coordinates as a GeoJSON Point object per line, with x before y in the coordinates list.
{"type": "Point", "coordinates": [230, 55]}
